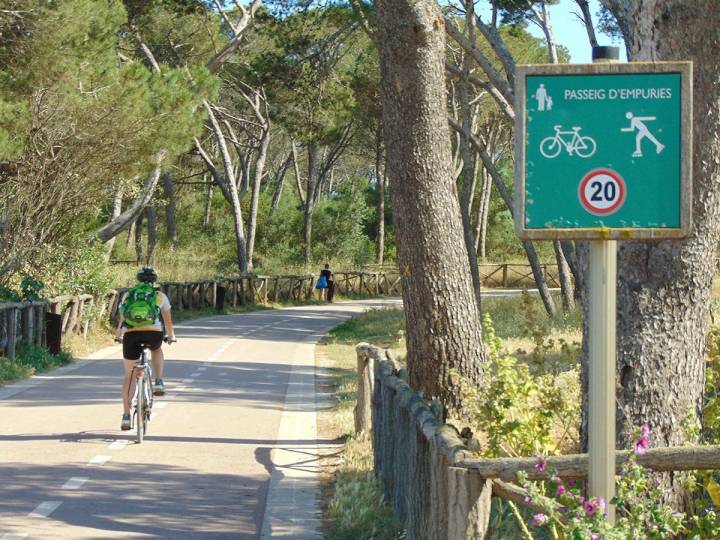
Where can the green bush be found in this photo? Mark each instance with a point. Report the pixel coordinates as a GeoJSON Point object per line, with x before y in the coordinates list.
{"type": "Point", "coordinates": [29, 360]}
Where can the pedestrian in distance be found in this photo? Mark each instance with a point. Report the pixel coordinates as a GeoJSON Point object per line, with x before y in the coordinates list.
{"type": "Point", "coordinates": [331, 287]}
{"type": "Point", "coordinates": [323, 281]}
{"type": "Point", "coordinates": [145, 317]}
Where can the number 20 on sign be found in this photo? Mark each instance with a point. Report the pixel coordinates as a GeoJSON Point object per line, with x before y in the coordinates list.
{"type": "Point", "coordinates": [603, 151]}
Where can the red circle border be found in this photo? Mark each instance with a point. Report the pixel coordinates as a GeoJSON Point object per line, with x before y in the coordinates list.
{"type": "Point", "coordinates": [606, 211]}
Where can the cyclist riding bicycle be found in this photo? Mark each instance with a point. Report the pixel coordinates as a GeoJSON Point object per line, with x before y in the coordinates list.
{"type": "Point", "coordinates": [143, 315]}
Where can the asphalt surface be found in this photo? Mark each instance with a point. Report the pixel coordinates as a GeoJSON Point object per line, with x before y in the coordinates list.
{"type": "Point", "coordinates": [231, 450]}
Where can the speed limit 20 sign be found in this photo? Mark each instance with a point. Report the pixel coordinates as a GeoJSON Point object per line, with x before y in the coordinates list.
{"type": "Point", "coordinates": [602, 192]}
{"type": "Point", "coordinates": [603, 150]}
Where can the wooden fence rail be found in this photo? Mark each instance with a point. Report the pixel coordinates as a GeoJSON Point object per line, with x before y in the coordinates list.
{"type": "Point", "coordinates": [21, 322]}
{"type": "Point", "coordinates": [79, 311]}
{"type": "Point", "coordinates": [438, 488]}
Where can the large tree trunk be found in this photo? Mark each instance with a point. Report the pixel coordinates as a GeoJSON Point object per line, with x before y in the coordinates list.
{"type": "Point", "coordinates": [279, 183]}
{"type": "Point", "coordinates": [170, 210]}
{"type": "Point", "coordinates": [483, 213]}
{"type": "Point", "coordinates": [312, 181]}
{"type": "Point", "coordinates": [468, 160]}
{"type": "Point", "coordinates": [138, 239]}
{"type": "Point", "coordinates": [380, 209]}
{"type": "Point", "coordinates": [664, 287]}
{"type": "Point", "coordinates": [255, 201]}
{"type": "Point", "coordinates": [208, 202]}
{"type": "Point", "coordinates": [443, 320]}
{"type": "Point", "coordinates": [152, 234]}
{"type": "Point", "coordinates": [124, 220]}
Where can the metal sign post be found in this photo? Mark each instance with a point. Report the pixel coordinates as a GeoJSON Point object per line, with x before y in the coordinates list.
{"type": "Point", "coordinates": [601, 376]}
{"type": "Point", "coordinates": [603, 153]}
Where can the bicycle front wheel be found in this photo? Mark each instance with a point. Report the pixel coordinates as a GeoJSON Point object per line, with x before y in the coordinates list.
{"type": "Point", "coordinates": [140, 409]}
{"type": "Point", "coordinates": [550, 147]}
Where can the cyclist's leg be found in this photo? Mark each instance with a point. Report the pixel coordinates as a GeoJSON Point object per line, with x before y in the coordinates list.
{"type": "Point", "coordinates": [131, 354]}
{"type": "Point", "coordinates": [158, 362]}
{"type": "Point", "coordinates": [128, 387]}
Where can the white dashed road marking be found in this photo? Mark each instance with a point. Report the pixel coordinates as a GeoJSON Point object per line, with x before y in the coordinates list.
{"type": "Point", "coordinates": [201, 368]}
{"type": "Point", "coordinates": [75, 482]}
{"type": "Point", "coordinates": [223, 374]}
{"type": "Point", "coordinates": [99, 460]}
{"type": "Point", "coordinates": [43, 510]}
{"type": "Point", "coordinates": [118, 445]}
{"type": "Point", "coordinates": [187, 381]}
{"type": "Point", "coordinates": [13, 536]}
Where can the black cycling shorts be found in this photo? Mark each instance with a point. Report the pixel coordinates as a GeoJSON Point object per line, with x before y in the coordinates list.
{"type": "Point", "coordinates": [133, 343]}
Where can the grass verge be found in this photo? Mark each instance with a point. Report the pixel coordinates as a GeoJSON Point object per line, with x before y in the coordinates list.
{"type": "Point", "coordinates": [29, 360]}
{"type": "Point", "coordinates": [354, 506]}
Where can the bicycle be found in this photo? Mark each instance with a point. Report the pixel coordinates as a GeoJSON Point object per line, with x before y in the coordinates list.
{"type": "Point", "coordinates": [584, 147]}
{"type": "Point", "coordinates": [142, 400]}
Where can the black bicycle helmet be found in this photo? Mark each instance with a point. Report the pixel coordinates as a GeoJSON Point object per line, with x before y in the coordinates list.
{"type": "Point", "coordinates": [147, 274]}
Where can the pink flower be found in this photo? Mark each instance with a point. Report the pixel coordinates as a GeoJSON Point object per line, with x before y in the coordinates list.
{"type": "Point", "coordinates": [643, 443]}
{"type": "Point", "coordinates": [556, 479]}
{"type": "Point", "coordinates": [540, 519]}
{"type": "Point", "coordinates": [527, 499]}
{"type": "Point", "coordinates": [590, 508]}
{"type": "Point", "coordinates": [540, 465]}
{"type": "Point", "coordinates": [594, 536]}
{"type": "Point", "coordinates": [571, 483]}
{"type": "Point", "coordinates": [560, 490]}
{"type": "Point", "coordinates": [601, 503]}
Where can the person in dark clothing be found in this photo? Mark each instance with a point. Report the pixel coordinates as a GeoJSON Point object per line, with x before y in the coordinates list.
{"type": "Point", "coordinates": [331, 287]}
{"type": "Point", "coordinates": [323, 282]}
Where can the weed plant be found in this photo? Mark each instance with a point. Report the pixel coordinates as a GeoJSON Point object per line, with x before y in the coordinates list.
{"type": "Point", "coordinates": [29, 360]}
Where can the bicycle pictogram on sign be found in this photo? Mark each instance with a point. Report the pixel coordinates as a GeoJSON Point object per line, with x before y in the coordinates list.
{"type": "Point", "coordinates": [572, 141]}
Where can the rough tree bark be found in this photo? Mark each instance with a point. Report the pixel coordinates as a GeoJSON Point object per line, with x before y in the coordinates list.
{"type": "Point", "coordinates": [468, 158]}
{"type": "Point", "coordinates": [483, 214]}
{"type": "Point", "coordinates": [664, 287]}
{"type": "Point", "coordinates": [380, 209]}
{"type": "Point", "coordinates": [443, 321]}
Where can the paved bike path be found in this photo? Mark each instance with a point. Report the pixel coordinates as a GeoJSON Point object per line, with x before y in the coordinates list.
{"type": "Point", "coordinates": [231, 450]}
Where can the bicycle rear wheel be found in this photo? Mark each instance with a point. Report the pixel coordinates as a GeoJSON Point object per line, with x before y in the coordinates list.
{"type": "Point", "coordinates": [140, 409]}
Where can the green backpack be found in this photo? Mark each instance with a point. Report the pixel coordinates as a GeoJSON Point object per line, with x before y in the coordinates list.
{"type": "Point", "coordinates": [140, 305]}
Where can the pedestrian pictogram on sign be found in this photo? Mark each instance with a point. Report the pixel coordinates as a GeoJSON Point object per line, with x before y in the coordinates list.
{"type": "Point", "coordinates": [602, 192]}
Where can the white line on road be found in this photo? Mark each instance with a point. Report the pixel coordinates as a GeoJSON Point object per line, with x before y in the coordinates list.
{"type": "Point", "coordinates": [160, 405]}
{"type": "Point", "coordinates": [170, 396]}
{"type": "Point", "coordinates": [13, 536]}
{"type": "Point", "coordinates": [187, 381]}
{"type": "Point", "coordinates": [75, 482]}
{"type": "Point", "coordinates": [223, 374]}
{"type": "Point", "coordinates": [196, 374]}
{"type": "Point", "coordinates": [43, 510]}
{"type": "Point", "coordinates": [201, 368]}
{"type": "Point", "coordinates": [99, 460]}
{"type": "Point", "coordinates": [119, 445]}
{"type": "Point", "coordinates": [207, 363]}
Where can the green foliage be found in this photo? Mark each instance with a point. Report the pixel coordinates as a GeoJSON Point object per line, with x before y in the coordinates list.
{"type": "Point", "coordinates": [639, 513]}
{"type": "Point", "coordinates": [29, 360]}
{"type": "Point", "coordinates": [76, 267]}
{"type": "Point", "coordinates": [518, 413]}
{"type": "Point", "coordinates": [30, 289]}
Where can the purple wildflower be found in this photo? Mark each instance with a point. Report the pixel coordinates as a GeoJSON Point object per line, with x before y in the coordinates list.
{"type": "Point", "coordinates": [527, 499]}
{"type": "Point", "coordinates": [540, 465]}
{"type": "Point", "coordinates": [643, 443]}
{"type": "Point", "coordinates": [590, 508]}
{"type": "Point", "coordinates": [560, 490]}
{"type": "Point", "coordinates": [540, 519]}
{"type": "Point", "coordinates": [594, 536]}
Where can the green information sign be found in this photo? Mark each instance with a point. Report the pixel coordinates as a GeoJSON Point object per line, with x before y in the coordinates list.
{"type": "Point", "coordinates": [603, 150]}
